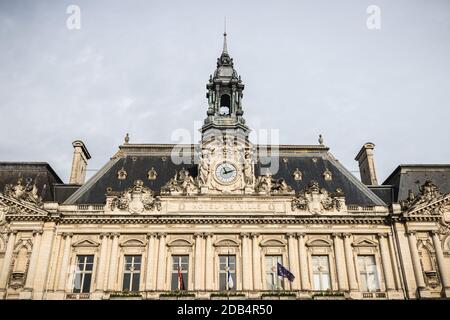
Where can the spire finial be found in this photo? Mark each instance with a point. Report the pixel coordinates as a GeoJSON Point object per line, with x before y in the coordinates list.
{"type": "Point", "coordinates": [225, 49]}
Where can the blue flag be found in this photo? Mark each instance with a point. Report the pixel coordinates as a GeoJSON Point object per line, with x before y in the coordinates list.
{"type": "Point", "coordinates": [285, 273]}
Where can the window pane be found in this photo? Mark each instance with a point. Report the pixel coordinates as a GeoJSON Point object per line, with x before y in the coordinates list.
{"type": "Point", "coordinates": [87, 282]}
{"type": "Point", "coordinates": [126, 281]}
{"type": "Point", "coordinates": [368, 273]}
{"type": "Point", "coordinates": [174, 282]}
{"type": "Point", "coordinates": [222, 281]}
{"type": "Point", "coordinates": [273, 281]}
{"type": "Point", "coordinates": [77, 283]}
{"type": "Point", "coordinates": [135, 282]}
{"type": "Point", "coordinates": [321, 272]}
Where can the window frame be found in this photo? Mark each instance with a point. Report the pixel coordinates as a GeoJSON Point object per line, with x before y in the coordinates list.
{"type": "Point", "coordinates": [83, 273]}
{"type": "Point", "coordinates": [186, 271]}
{"type": "Point", "coordinates": [132, 273]}
{"type": "Point", "coordinates": [224, 271]}
{"type": "Point", "coordinates": [280, 286]}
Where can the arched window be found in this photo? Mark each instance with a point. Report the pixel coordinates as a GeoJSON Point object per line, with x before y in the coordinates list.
{"type": "Point", "coordinates": [225, 105]}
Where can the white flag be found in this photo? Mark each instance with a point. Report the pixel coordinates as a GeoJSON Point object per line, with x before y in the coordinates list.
{"type": "Point", "coordinates": [230, 281]}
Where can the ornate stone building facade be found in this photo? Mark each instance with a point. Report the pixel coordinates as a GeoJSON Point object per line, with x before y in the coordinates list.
{"type": "Point", "coordinates": [219, 223]}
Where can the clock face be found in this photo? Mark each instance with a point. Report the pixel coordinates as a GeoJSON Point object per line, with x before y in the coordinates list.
{"type": "Point", "coordinates": [226, 172]}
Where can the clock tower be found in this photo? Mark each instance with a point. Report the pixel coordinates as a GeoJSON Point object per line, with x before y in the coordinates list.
{"type": "Point", "coordinates": [226, 163]}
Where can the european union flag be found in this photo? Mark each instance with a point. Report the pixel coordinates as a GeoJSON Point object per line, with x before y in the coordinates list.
{"type": "Point", "coordinates": [285, 273]}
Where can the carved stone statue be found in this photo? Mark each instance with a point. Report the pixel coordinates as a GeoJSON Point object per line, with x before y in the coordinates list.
{"type": "Point", "coordinates": [428, 193]}
{"type": "Point", "coordinates": [27, 192]}
{"type": "Point", "coordinates": [267, 184]}
{"type": "Point", "coordinates": [181, 183]}
{"type": "Point", "coordinates": [249, 177]}
{"type": "Point", "coordinates": [204, 169]}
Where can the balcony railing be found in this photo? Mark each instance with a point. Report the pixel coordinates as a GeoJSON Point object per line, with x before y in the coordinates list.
{"type": "Point", "coordinates": [374, 295]}
{"type": "Point", "coordinates": [78, 296]}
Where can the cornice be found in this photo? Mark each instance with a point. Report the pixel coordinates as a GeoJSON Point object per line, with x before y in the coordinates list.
{"type": "Point", "coordinates": [223, 220]}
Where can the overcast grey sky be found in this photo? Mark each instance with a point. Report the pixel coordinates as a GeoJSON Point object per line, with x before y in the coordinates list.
{"type": "Point", "coordinates": [309, 67]}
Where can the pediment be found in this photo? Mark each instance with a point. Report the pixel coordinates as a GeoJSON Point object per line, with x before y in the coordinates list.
{"type": "Point", "coordinates": [319, 243]}
{"type": "Point", "coordinates": [180, 243]}
{"type": "Point", "coordinates": [273, 243]}
{"type": "Point", "coordinates": [365, 243]}
{"type": "Point", "coordinates": [86, 243]}
{"type": "Point", "coordinates": [133, 243]}
{"type": "Point", "coordinates": [12, 207]}
{"type": "Point", "coordinates": [226, 243]}
{"type": "Point", "coordinates": [435, 207]}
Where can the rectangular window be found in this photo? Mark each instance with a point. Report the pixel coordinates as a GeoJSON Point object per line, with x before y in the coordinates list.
{"type": "Point", "coordinates": [227, 272]}
{"type": "Point", "coordinates": [273, 281]}
{"type": "Point", "coordinates": [321, 272]}
{"type": "Point", "coordinates": [180, 272]}
{"type": "Point", "coordinates": [368, 273]}
{"type": "Point", "coordinates": [83, 274]}
{"type": "Point", "coordinates": [132, 273]}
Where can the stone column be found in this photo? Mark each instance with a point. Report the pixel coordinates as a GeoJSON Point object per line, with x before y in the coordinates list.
{"type": "Point", "coordinates": [257, 282]}
{"type": "Point", "coordinates": [7, 262]}
{"type": "Point", "coordinates": [64, 269]}
{"type": "Point", "coordinates": [161, 273]}
{"type": "Point", "coordinates": [418, 272]}
{"type": "Point", "coordinates": [293, 261]}
{"type": "Point", "coordinates": [393, 256]}
{"type": "Point", "coordinates": [101, 269]}
{"type": "Point", "coordinates": [340, 262]}
{"type": "Point", "coordinates": [42, 268]}
{"type": "Point", "coordinates": [149, 280]}
{"type": "Point", "coordinates": [37, 235]}
{"type": "Point", "coordinates": [444, 272]}
{"type": "Point", "coordinates": [246, 264]}
{"type": "Point", "coordinates": [351, 273]}
{"type": "Point", "coordinates": [304, 270]}
{"type": "Point", "coordinates": [209, 262]}
{"type": "Point", "coordinates": [113, 262]}
{"type": "Point", "coordinates": [386, 262]}
{"type": "Point", "coordinates": [198, 276]}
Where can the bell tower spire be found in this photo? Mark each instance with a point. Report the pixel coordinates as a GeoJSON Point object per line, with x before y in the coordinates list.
{"type": "Point", "coordinates": [224, 94]}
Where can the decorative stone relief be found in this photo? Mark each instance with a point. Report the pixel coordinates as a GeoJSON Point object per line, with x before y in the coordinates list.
{"type": "Point", "coordinates": [136, 199]}
{"type": "Point", "coordinates": [422, 202]}
{"type": "Point", "coordinates": [27, 192]}
{"type": "Point", "coordinates": [317, 200]}
{"type": "Point", "coordinates": [181, 183]}
{"type": "Point", "coordinates": [268, 185]}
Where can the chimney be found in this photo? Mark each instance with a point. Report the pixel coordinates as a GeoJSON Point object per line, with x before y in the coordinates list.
{"type": "Point", "coordinates": [367, 164]}
{"type": "Point", "coordinates": [79, 163]}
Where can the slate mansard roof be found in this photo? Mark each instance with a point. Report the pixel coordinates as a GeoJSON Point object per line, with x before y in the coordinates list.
{"type": "Point", "coordinates": [411, 176]}
{"type": "Point", "coordinates": [137, 160]}
{"type": "Point", "coordinates": [39, 172]}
